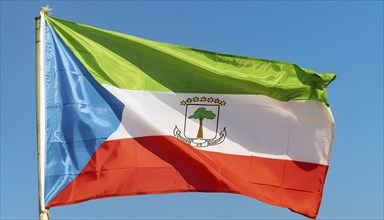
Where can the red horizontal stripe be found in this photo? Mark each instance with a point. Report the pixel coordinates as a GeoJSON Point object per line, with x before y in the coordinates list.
{"type": "Point", "coordinates": [164, 164]}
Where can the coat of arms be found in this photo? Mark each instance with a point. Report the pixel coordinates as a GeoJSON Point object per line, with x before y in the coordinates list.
{"type": "Point", "coordinates": [201, 122]}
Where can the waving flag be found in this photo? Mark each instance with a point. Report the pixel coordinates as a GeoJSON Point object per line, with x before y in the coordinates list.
{"type": "Point", "coordinates": [129, 116]}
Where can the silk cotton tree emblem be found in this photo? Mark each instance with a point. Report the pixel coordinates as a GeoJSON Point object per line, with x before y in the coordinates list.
{"type": "Point", "coordinates": [201, 122]}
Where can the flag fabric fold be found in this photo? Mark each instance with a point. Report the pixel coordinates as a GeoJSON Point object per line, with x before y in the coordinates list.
{"type": "Point", "coordinates": [130, 116]}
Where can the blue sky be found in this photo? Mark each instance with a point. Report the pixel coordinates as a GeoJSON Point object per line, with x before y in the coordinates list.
{"type": "Point", "coordinates": [344, 37]}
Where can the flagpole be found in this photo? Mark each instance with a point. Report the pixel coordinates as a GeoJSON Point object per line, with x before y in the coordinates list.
{"type": "Point", "coordinates": [40, 109]}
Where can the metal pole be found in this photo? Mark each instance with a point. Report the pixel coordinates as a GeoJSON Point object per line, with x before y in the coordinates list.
{"type": "Point", "coordinates": [40, 112]}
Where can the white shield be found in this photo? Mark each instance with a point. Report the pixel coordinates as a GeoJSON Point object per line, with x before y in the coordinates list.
{"type": "Point", "coordinates": [209, 126]}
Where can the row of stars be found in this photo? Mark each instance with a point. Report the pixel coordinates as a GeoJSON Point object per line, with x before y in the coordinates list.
{"type": "Point", "coordinates": [203, 99]}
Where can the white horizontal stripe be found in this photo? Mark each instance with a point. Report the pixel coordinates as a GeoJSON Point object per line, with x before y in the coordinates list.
{"type": "Point", "coordinates": [256, 125]}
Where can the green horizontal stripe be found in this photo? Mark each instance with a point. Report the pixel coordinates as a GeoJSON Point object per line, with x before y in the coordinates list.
{"type": "Point", "coordinates": [134, 63]}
